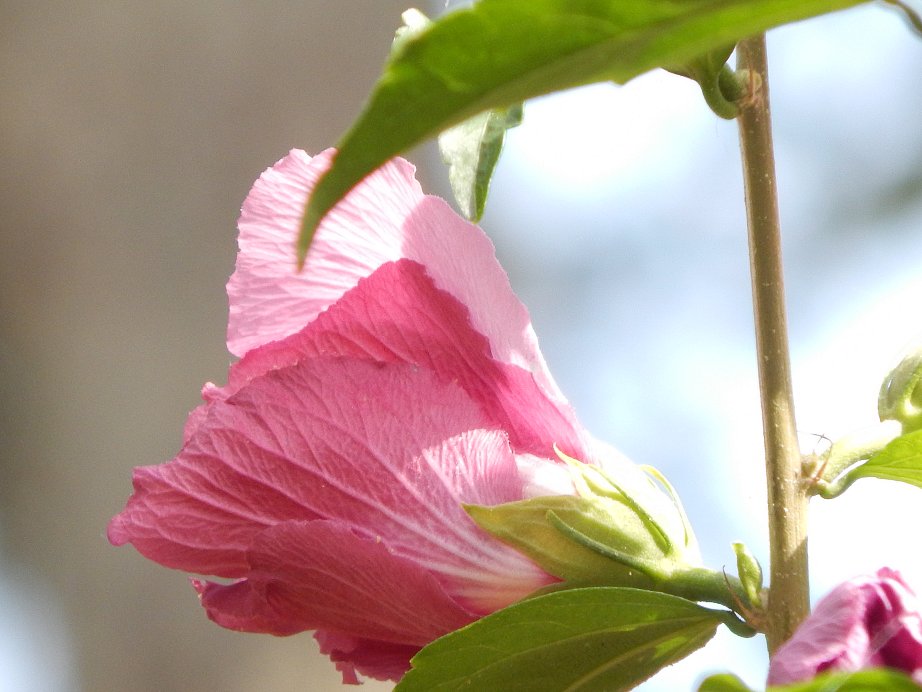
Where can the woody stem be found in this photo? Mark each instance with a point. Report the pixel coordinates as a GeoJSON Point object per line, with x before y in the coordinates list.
{"type": "Point", "coordinates": [788, 597]}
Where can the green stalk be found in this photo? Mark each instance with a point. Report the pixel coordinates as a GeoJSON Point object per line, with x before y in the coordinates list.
{"type": "Point", "coordinates": [788, 596]}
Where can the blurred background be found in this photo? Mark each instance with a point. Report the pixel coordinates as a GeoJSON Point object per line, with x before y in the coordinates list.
{"type": "Point", "coordinates": [130, 134]}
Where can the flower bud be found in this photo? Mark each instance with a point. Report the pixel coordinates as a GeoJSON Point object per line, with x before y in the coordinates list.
{"type": "Point", "coordinates": [900, 396]}
{"type": "Point", "coordinates": [750, 573]}
{"type": "Point", "coordinates": [867, 622]}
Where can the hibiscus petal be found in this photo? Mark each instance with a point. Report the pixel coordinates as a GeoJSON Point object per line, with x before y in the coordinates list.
{"type": "Point", "coordinates": [372, 658]}
{"type": "Point", "coordinates": [872, 620]}
{"type": "Point", "coordinates": [371, 445]}
{"type": "Point", "coordinates": [894, 620]}
{"type": "Point", "coordinates": [398, 315]}
{"type": "Point", "coordinates": [384, 218]}
{"type": "Point", "coordinates": [269, 299]}
{"type": "Point", "coordinates": [830, 637]}
{"type": "Point", "coordinates": [320, 574]}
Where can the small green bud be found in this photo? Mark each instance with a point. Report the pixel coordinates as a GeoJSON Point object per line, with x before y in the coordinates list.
{"type": "Point", "coordinates": [750, 574]}
{"type": "Point", "coordinates": [900, 396]}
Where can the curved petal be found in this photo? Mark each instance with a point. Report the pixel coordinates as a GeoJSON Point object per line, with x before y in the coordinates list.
{"type": "Point", "coordinates": [872, 620]}
{"type": "Point", "coordinates": [398, 315]}
{"type": "Point", "coordinates": [320, 574]}
{"type": "Point", "coordinates": [830, 638]}
{"type": "Point", "coordinates": [374, 659]}
{"type": "Point", "coordinates": [269, 299]}
{"type": "Point", "coordinates": [461, 259]}
{"type": "Point", "coordinates": [384, 218]}
{"type": "Point", "coordinates": [387, 449]}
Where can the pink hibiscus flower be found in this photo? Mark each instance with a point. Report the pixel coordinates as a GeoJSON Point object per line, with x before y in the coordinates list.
{"type": "Point", "coordinates": [870, 621]}
{"type": "Point", "coordinates": [394, 379]}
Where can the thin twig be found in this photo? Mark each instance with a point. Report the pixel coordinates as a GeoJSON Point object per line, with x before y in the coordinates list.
{"type": "Point", "coordinates": [913, 17]}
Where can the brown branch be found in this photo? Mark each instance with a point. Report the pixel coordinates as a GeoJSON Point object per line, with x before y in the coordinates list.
{"type": "Point", "coordinates": [788, 596]}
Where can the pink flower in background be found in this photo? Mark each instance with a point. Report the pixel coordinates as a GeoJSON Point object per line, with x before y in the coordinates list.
{"type": "Point", "coordinates": [870, 621]}
{"type": "Point", "coordinates": [394, 379]}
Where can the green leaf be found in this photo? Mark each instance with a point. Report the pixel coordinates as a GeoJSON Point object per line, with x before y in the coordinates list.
{"type": "Point", "coordinates": [868, 680]}
{"type": "Point", "coordinates": [498, 53]}
{"type": "Point", "coordinates": [601, 638]}
{"type": "Point", "coordinates": [471, 151]}
{"type": "Point", "coordinates": [723, 682]}
{"type": "Point", "coordinates": [901, 460]}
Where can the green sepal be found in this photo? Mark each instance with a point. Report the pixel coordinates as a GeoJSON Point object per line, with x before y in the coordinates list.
{"type": "Point", "coordinates": [532, 527]}
{"type": "Point", "coordinates": [582, 640]}
{"type": "Point", "coordinates": [471, 151]}
{"type": "Point", "coordinates": [636, 488]}
{"type": "Point", "coordinates": [595, 542]}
